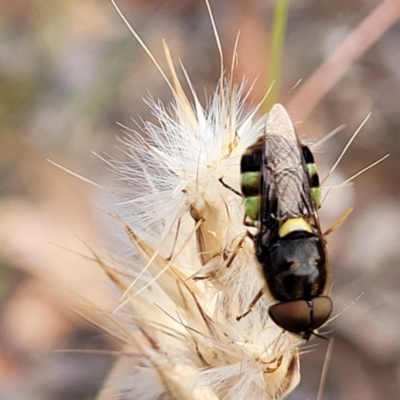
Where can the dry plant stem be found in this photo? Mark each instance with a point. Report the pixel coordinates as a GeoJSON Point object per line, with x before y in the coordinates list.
{"type": "Point", "coordinates": [353, 47]}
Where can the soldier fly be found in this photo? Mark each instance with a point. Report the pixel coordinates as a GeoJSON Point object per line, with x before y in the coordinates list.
{"type": "Point", "coordinates": [280, 187]}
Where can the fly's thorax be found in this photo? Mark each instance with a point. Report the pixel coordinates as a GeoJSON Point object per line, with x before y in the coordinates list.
{"type": "Point", "coordinates": [293, 260]}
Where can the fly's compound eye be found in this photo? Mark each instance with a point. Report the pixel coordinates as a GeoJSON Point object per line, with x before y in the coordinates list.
{"type": "Point", "coordinates": [301, 315]}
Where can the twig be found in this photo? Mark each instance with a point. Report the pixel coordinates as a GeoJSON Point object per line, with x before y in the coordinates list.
{"type": "Point", "coordinates": [337, 64]}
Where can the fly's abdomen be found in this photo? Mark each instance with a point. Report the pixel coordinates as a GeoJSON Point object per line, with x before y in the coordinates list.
{"type": "Point", "coordinates": [313, 175]}
{"type": "Point", "coordinates": [250, 179]}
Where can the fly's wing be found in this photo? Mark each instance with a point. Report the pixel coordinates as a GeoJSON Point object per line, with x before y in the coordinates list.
{"type": "Point", "coordinates": [309, 183]}
{"type": "Point", "coordinates": [285, 163]}
{"type": "Point", "coordinates": [266, 189]}
{"type": "Point", "coordinates": [267, 222]}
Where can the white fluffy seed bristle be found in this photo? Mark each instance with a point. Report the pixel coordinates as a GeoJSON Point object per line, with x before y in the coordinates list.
{"type": "Point", "coordinates": [195, 270]}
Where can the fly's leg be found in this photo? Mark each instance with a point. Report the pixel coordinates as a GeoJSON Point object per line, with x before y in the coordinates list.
{"type": "Point", "coordinates": [252, 224]}
{"type": "Point", "coordinates": [246, 222]}
{"type": "Point", "coordinates": [251, 305]}
{"type": "Point", "coordinates": [237, 248]}
{"type": "Point", "coordinates": [221, 180]}
{"type": "Point", "coordinates": [229, 259]}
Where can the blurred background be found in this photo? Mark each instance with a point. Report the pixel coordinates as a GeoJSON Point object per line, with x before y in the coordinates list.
{"type": "Point", "coordinates": [70, 70]}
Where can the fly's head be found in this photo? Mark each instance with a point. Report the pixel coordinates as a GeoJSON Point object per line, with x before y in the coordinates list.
{"type": "Point", "coordinates": [302, 317]}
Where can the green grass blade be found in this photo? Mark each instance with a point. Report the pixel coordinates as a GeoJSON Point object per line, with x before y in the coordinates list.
{"type": "Point", "coordinates": [278, 38]}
